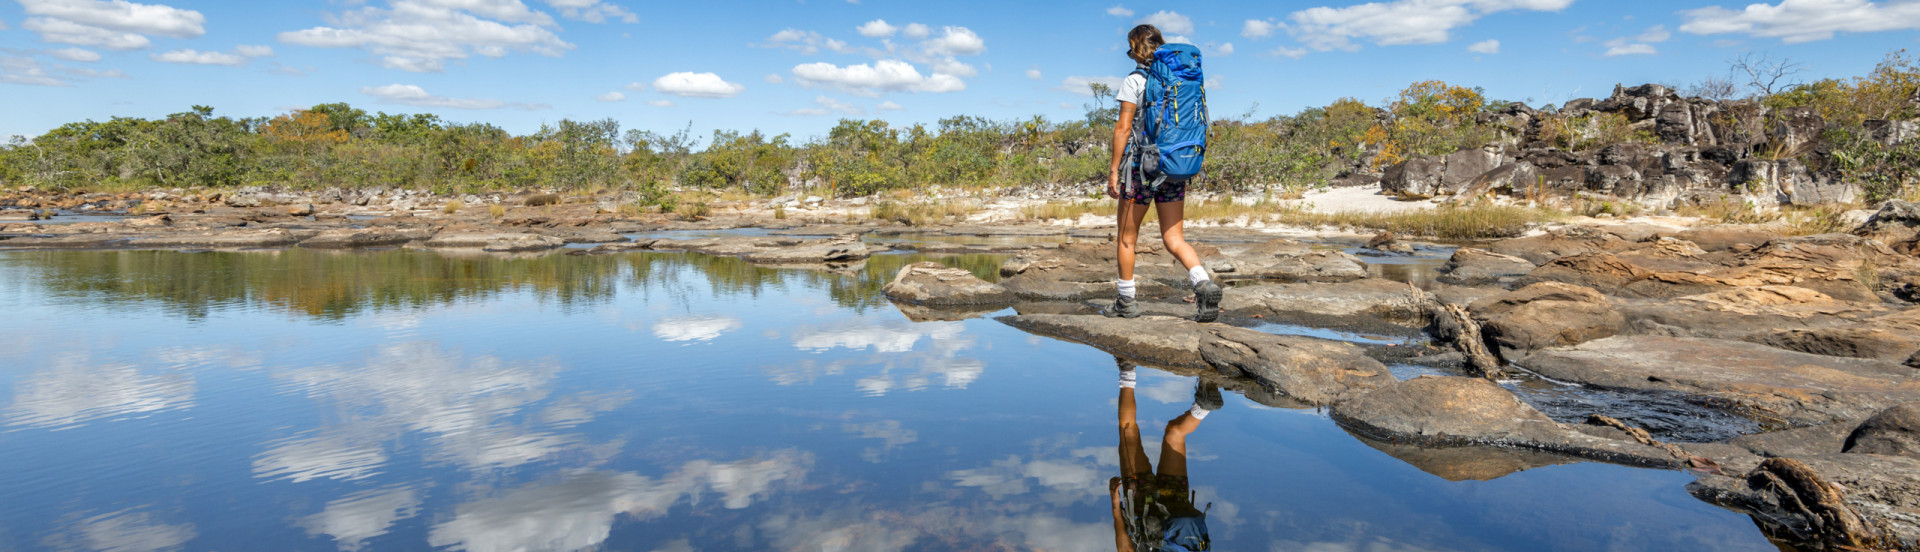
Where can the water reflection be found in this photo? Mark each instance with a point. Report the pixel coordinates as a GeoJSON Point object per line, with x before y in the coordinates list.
{"type": "Point", "coordinates": [1153, 508]}
{"type": "Point", "coordinates": [123, 531]}
{"type": "Point", "coordinates": [76, 389]}
{"type": "Point", "coordinates": [363, 515]}
{"type": "Point", "coordinates": [694, 328]}
{"type": "Point", "coordinates": [894, 343]}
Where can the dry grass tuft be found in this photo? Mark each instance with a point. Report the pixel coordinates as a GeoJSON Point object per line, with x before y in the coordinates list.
{"type": "Point", "coordinates": [919, 214]}
{"type": "Point", "coordinates": [454, 207]}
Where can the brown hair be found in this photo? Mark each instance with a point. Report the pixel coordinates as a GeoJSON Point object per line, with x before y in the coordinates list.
{"type": "Point", "coordinates": [1142, 41]}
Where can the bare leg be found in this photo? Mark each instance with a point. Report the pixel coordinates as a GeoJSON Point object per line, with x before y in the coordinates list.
{"type": "Point", "coordinates": [1173, 448]}
{"type": "Point", "coordinates": [1129, 217]}
{"type": "Point", "coordinates": [1133, 456]}
{"type": "Point", "coordinates": [1172, 223]}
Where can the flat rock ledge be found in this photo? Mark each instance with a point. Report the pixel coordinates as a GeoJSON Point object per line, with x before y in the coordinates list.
{"type": "Point", "coordinates": [1459, 411]}
{"type": "Point", "coordinates": [935, 285]}
{"type": "Point", "coordinates": [1312, 371]}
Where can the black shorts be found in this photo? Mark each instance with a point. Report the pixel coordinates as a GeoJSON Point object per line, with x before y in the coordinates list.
{"type": "Point", "coordinates": [1169, 192]}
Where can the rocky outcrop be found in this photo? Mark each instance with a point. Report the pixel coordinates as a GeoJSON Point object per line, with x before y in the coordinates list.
{"type": "Point", "coordinates": [1455, 411]}
{"type": "Point", "coordinates": [841, 249]}
{"type": "Point", "coordinates": [1896, 222]}
{"type": "Point", "coordinates": [1739, 313]}
{"type": "Point", "coordinates": [496, 242]}
{"type": "Point", "coordinates": [1771, 385]}
{"type": "Point", "coordinates": [937, 285]}
{"type": "Point", "coordinates": [1312, 371]}
{"type": "Point", "coordinates": [1893, 432]}
{"type": "Point", "coordinates": [1291, 261]}
{"type": "Point", "coordinates": [1546, 315]}
{"type": "Point", "coordinates": [1832, 501]}
{"type": "Point", "coordinates": [1339, 304]}
{"type": "Point", "coordinates": [348, 238]}
{"type": "Point", "coordinates": [1894, 338]}
{"type": "Point", "coordinates": [1478, 267]}
{"type": "Point", "coordinates": [234, 239]}
{"type": "Point", "coordinates": [1559, 242]}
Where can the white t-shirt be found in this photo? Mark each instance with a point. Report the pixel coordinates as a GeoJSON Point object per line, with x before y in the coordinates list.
{"type": "Point", "coordinates": [1132, 88]}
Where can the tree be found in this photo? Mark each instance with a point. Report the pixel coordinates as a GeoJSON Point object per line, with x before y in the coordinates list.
{"type": "Point", "coordinates": [1764, 75]}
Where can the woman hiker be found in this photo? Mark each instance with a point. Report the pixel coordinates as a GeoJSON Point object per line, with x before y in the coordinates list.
{"type": "Point", "coordinates": [1135, 193]}
{"type": "Point", "coordinates": [1154, 510]}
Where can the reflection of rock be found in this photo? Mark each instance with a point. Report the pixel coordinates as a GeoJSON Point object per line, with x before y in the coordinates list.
{"type": "Point", "coordinates": [578, 511]}
{"type": "Point", "coordinates": [1469, 463]}
{"type": "Point", "coordinates": [363, 515]}
{"type": "Point", "coordinates": [1455, 411]}
{"type": "Point", "coordinates": [694, 328]}
{"type": "Point", "coordinates": [1316, 371]}
{"type": "Point", "coordinates": [1835, 501]}
{"type": "Point", "coordinates": [922, 313]}
{"type": "Point", "coordinates": [123, 531]}
{"type": "Point", "coordinates": [75, 390]}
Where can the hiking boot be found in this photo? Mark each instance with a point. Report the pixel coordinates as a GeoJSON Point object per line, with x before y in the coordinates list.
{"type": "Point", "coordinates": [1206, 395]}
{"type": "Point", "coordinates": [1207, 295]}
{"type": "Point", "coordinates": [1124, 365]}
{"type": "Point", "coordinates": [1123, 307]}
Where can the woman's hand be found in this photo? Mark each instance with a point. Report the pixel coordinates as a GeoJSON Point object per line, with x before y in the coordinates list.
{"type": "Point", "coordinates": [1113, 184]}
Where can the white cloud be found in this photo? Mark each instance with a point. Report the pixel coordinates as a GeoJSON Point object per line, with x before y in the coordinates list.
{"type": "Point", "coordinates": [1257, 29]}
{"type": "Point", "coordinates": [592, 11]}
{"type": "Point", "coordinates": [697, 85]}
{"type": "Point", "coordinates": [75, 54]}
{"type": "Point", "coordinates": [1079, 85]}
{"type": "Point", "coordinates": [363, 515]}
{"type": "Point", "coordinates": [870, 80]}
{"type": "Point", "coordinates": [1225, 49]}
{"type": "Point", "coordinates": [950, 66]}
{"type": "Point", "coordinates": [1295, 53]}
{"type": "Point", "coordinates": [694, 328]}
{"type": "Point", "coordinates": [1615, 50]}
{"type": "Point", "coordinates": [774, 78]}
{"type": "Point", "coordinates": [916, 30]}
{"type": "Point", "coordinates": [636, 86]}
{"type": "Point", "coordinates": [1488, 47]}
{"type": "Point", "coordinates": [808, 42]}
{"type": "Point", "coordinates": [114, 24]}
{"type": "Point", "coordinates": [611, 97]}
{"type": "Point", "coordinates": [1119, 11]}
{"type": "Point", "coordinates": [196, 57]}
{"type": "Point", "coordinates": [1399, 22]}
{"type": "Point", "coordinates": [1797, 21]}
{"type": "Point", "coordinates": [890, 106]}
{"type": "Point", "coordinates": [660, 103]}
{"type": "Point", "coordinates": [877, 28]}
{"type": "Point", "coordinates": [254, 51]}
{"type": "Point", "coordinates": [421, 35]}
{"type": "Point", "coordinates": [76, 389]}
{"type": "Point", "coordinates": [1638, 45]}
{"type": "Point", "coordinates": [1658, 33]}
{"type": "Point", "coordinates": [407, 94]}
{"type": "Point", "coordinates": [1169, 22]}
{"type": "Point", "coordinates": [955, 41]}
{"type": "Point", "coordinates": [1033, 74]}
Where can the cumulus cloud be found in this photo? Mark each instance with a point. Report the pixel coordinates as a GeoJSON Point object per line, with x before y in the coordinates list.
{"type": "Point", "coordinates": [1797, 21]}
{"type": "Point", "coordinates": [889, 106]}
{"type": "Point", "coordinates": [611, 97]}
{"type": "Point", "coordinates": [774, 78]}
{"type": "Point", "coordinates": [1225, 49]}
{"type": "Point", "coordinates": [1616, 50]}
{"type": "Point", "coordinates": [592, 11]}
{"type": "Point", "coordinates": [1033, 74]}
{"type": "Point", "coordinates": [75, 54]}
{"type": "Point", "coordinates": [1079, 85]}
{"type": "Point", "coordinates": [877, 28]}
{"type": "Point", "coordinates": [808, 42]}
{"type": "Point", "coordinates": [1169, 22]}
{"type": "Point", "coordinates": [254, 51]}
{"type": "Point", "coordinates": [636, 86]}
{"type": "Point", "coordinates": [1119, 11]}
{"type": "Point", "coordinates": [407, 94]}
{"type": "Point", "coordinates": [916, 30]}
{"type": "Point", "coordinates": [1257, 28]}
{"type": "Point", "coordinates": [422, 35]}
{"type": "Point", "coordinates": [1295, 53]}
{"type": "Point", "coordinates": [238, 57]}
{"type": "Point", "coordinates": [115, 24]}
{"type": "Point", "coordinates": [955, 41]}
{"type": "Point", "coordinates": [1488, 47]}
{"type": "Point", "coordinates": [697, 85]}
{"type": "Point", "coordinates": [871, 79]}
{"type": "Point", "coordinates": [1399, 22]}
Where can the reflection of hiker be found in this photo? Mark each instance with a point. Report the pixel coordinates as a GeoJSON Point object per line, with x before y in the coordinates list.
{"type": "Point", "coordinates": [1154, 512]}
{"type": "Point", "coordinates": [1155, 156]}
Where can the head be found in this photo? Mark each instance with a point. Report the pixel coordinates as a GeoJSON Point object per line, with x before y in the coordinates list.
{"type": "Point", "coordinates": [1142, 41]}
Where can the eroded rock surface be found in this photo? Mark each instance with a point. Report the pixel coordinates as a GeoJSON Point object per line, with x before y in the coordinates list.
{"type": "Point", "coordinates": [1479, 267]}
{"type": "Point", "coordinates": [1457, 411]}
{"type": "Point", "coordinates": [937, 285]}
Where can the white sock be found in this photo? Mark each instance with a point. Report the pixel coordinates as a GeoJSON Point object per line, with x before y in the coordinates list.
{"type": "Point", "coordinates": [1127, 379]}
{"type": "Point", "coordinates": [1127, 288]}
{"type": "Point", "coordinates": [1198, 413]}
{"type": "Point", "coordinates": [1198, 274]}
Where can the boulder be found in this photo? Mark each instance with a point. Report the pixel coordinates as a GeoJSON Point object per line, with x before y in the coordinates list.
{"type": "Point", "coordinates": [1386, 242]}
{"type": "Point", "coordinates": [1546, 315]}
{"type": "Point", "coordinates": [1456, 411]}
{"type": "Point", "coordinates": [1478, 267]}
{"type": "Point", "coordinates": [832, 250]}
{"type": "Point", "coordinates": [1420, 177]}
{"type": "Point", "coordinates": [1510, 179]}
{"type": "Point", "coordinates": [346, 238]}
{"type": "Point", "coordinates": [1290, 261]}
{"type": "Point", "coordinates": [1463, 166]}
{"type": "Point", "coordinates": [1896, 221]}
{"type": "Point", "coordinates": [1312, 371]}
{"type": "Point", "coordinates": [1557, 243]}
{"type": "Point", "coordinates": [1893, 337]}
{"type": "Point", "coordinates": [934, 284]}
{"type": "Point", "coordinates": [1893, 432]}
{"type": "Point", "coordinates": [300, 210]}
{"type": "Point", "coordinates": [1763, 383]}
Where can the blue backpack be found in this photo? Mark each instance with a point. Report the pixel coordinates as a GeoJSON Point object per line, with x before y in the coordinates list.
{"type": "Point", "coordinates": [1171, 127]}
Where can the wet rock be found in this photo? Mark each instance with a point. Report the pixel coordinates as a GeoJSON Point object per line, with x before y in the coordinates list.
{"type": "Point", "coordinates": [1468, 463]}
{"type": "Point", "coordinates": [842, 249]}
{"type": "Point", "coordinates": [1330, 304]}
{"type": "Point", "coordinates": [1456, 411]}
{"type": "Point", "coordinates": [300, 210]}
{"type": "Point", "coordinates": [522, 243]}
{"type": "Point", "coordinates": [1546, 315]}
{"type": "Point", "coordinates": [1479, 267]}
{"type": "Point", "coordinates": [1835, 501]}
{"type": "Point", "coordinates": [347, 238]}
{"type": "Point", "coordinates": [1763, 383]}
{"type": "Point", "coordinates": [275, 237]}
{"type": "Point", "coordinates": [1386, 242]}
{"type": "Point", "coordinates": [1313, 371]}
{"type": "Point", "coordinates": [1893, 432]}
{"type": "Point", "coordinates": [64, 241]}
{"type": "Point", "coordinates": [1557, 243]}
{"type": "Point", "coordinates": [934, 284]}
{"type": "Point", "coordinates": [1290, 261]}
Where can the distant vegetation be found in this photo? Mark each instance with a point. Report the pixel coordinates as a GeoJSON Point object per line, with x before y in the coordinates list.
{"type": "Point", "coordinates": [337, 145]}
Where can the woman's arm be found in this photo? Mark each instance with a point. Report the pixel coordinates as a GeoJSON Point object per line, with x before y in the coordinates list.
{"type": "Point", "coordinates": [1122, 129]}
{"type": "Point", "coordinates": [1121, 541]}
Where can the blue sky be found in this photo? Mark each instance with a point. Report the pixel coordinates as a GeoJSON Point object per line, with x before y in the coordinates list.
{"type": "Point", "coordinates": [797, 67]}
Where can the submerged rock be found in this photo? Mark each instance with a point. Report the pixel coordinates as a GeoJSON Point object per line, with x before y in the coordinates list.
{"type": "Point", "coordinates": [937, 285]}
{"type": "Point", "coordinates": [1312, 371]}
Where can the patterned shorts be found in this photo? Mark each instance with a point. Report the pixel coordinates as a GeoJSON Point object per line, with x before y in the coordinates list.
{"type": "Point", "coordinates": [1169, 192]}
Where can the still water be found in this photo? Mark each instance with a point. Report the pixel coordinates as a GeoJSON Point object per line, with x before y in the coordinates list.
{"type": "Point", "coordinates": [299, 400]}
